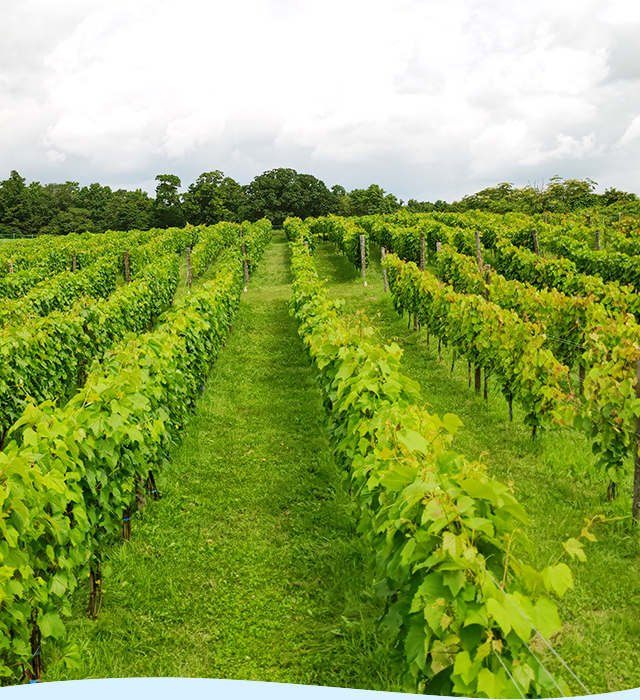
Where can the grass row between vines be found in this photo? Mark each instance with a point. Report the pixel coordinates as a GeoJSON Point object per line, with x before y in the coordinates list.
{"type": "Point", "coordinates": [249, 566]}
{"type": "Point", "coordinates": [554, 478]}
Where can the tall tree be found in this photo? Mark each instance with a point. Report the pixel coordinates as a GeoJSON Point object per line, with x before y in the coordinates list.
{"type": "Point", "coordinates": [15, 211]}
{"type": "Point", "coordinates": [63, 195]}
{"type": "Point", "coordinates": [373, 200]}
{"type": "Point", "coordinates": [95, 199]}
{"type": "Point", "coordinates": [569, 195]}
{"type": "Point", "coordinates": [168, 207]}
{"type": "Point", "coordinates": [213, 198]}
{"type": "Point", "coordinates": [126, 210]}
{"type": "Point", "coordinates": [282, 192]}
{"type": "Point", "coordinates": [613, 196]}
{"type": "Point", "coordinates": [70, 220]}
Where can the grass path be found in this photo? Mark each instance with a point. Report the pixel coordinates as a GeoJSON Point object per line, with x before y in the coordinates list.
{"type": "Point", "coordinates": [248, 567]}
{"type": "Point", "coordinates": [554, 479]}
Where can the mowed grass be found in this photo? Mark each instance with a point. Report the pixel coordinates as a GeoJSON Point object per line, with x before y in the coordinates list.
{"type": "Point", "coordinates": [248, 567]}
{"type": "Point", "coordinates": [554, 478]}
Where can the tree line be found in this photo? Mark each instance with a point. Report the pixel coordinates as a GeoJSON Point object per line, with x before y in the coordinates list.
{"type": "Point", "coordinates": [35, 209]}
{"type": "Point", "coordinates": [557, 196]}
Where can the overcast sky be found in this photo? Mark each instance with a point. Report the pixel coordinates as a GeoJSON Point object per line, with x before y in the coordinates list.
{"type": "Point", "coordinates": [431, 99]}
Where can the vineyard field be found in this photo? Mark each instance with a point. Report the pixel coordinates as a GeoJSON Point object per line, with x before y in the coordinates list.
{"type": "Point", "coordinates": [234, 452]}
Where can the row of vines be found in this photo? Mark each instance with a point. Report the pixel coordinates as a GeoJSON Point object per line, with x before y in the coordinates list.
{"type": "Point", "coordinates": [528, 327]}
{"type": "Point", "coordinates": [76, 464]}
{"type": "Point", "coordinates": [445, 539]}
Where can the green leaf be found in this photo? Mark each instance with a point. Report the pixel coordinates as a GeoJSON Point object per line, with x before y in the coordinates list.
{"type": "Point", "coordinates": [408, 550]}
{"type": "Point", "coordinates": [523, 674]}
{"type": "Point", "coordinates": [51, 625]}
{"type": "Point", "coordinates": [71, 657]}
{"type": "Point", "coordinates": [382, 589]}
{"type": "Point", "coordinates": [451, 423]}
{"type": "Point", "coordinates": [500, 615]}
{"type": "Point", "coordinates": [476, 615]}
{"type": "Point", "coordinates": [521, 612]}
{"type": "Point", "coordinates": [429, 591]}
{"type": "Point", "coordinates": [413, 441]}
{"type": "Point", "coordinates": [558, 578]}
{"type": "Point", "coordinates": [574, 549]}
{"type": "Point", "coordinates": [477, 489]}
{"type": "Point", "coordinates": [490, 684]}
{"type": "Point", "coordinates": [454, 580]}
{"type": "Point", "coordinates": [415, 645]}
{"type": "Point", "coordinates": [58, 585]}
{"type": "Point", "coordinates": [462, 663]}
{"type": "Point", "coordinates": [546, 618]}
{"type": "Point", "coordinates": [448, 462]}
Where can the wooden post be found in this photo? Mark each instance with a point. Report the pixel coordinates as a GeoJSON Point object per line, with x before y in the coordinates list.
{"type": "Point", "coordinates": [415, 323]}
{"type": "Point", "coordinates": [10, 267]}
{"type": "Point", "coordinates": [439, 349]}
{"type": "Point", "coordinates": [469, 368]}
{"type": "Point", "coordinates": [189, 267]}
{"type": "Point", "coordinates": [478, 379]}
{"type": "Point", "coordinates": [383, 253]}
{"type": "Point", "coordinates": [479, 252]}
{"type": "Point", "coordinates": [581, 373]}
{"type": "Point", "coordinates": [545, 217]}
{"type": "Point", "coordinates": [635, 506]}
{"type": "Point", "coordinates": [95, 591]}
{"type": "Point", "coordinates": [487, 279]}
{"type": "Point", "coordinates": [422, 256]}
{"type": "Point", "coordinates": [438, 246]}
{"type": "Point", "coordinates": [486, 394]}
{"type": "Point", "coordinates": [246, 266]}
{"type": "Point", "coordinates": [597, 239]}
{"type": "Point", "coordinates": [306, 245]}
{"type": "Point", "coordinates": [363, 259]}
{"type": "Point", "coordinates": [74, 265]}
{"type": "Point", "coordinates": [36, 641]}
{"type": "Point", "coordinates": [141, 499]}
{"type": "Point", "coordinates": [453, 362]}
{"type": "Point", "coordinates": [619, 216]}
{"type": "Point", "coordinates": [152, 489]}
{"type": "Point", "coordinates": [127, 273]}
{"type": "Point", "coordinates": [536, 245]}
{"type": "Point", "coordinates": [126, 524]}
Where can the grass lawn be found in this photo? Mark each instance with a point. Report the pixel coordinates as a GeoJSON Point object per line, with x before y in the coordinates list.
{"type": "Point", "coordinates": [248, 567]}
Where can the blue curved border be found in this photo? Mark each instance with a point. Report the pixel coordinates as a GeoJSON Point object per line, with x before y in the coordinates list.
{"type": "Point", "coordinates": [205, 689]}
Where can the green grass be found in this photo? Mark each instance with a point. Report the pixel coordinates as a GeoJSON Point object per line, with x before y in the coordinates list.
{"type": "Point", "coordinates": [248, 567]}
{"type": "Point", "coordinates": [553, 477]}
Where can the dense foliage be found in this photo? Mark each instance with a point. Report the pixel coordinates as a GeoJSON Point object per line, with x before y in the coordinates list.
{"type": "Point", "coordinates": [557, 196]}
{"type": "Point", "coordinates": [445, 539]}
{"type": "Point", "coordinates": [36, 209]}
{"type": "Point", "coordinates": [72, 471]}
{"type": "Point", "coordinates": [530, 324]}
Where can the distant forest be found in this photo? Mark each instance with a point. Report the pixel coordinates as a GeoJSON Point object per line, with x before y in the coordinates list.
{"type": "Point", "coordinates": [35, 209]}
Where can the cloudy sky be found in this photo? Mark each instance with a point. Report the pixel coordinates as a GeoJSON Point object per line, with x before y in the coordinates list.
{"type": "Point", "coordinates": [431, 99]}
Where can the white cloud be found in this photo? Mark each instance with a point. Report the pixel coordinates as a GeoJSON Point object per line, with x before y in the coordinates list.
{"type": "Point", "coordinates": [631, 134]}
{"type": "Point", "coordinates": [185, 134]}
{"type": "Point", "coordinates": [567, 147]}
{"type": "Point", "coordinates": [449, 94]}
{"type": "Point", "coordinates": [123, 135]}
{"type": "Point", "coordinates": [56, 156]}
